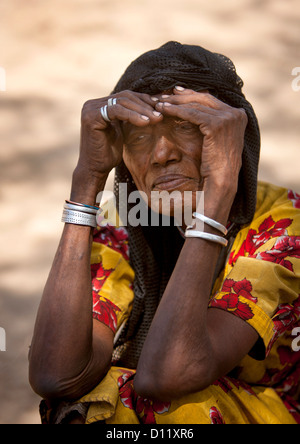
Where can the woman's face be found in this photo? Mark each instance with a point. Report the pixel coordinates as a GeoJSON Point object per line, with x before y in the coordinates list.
{"type": "Point", "coordinates": [164, 157]}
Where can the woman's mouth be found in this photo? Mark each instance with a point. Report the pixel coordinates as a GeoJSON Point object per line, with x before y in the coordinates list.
{"type": "Point", "coordinates": [170, 182]}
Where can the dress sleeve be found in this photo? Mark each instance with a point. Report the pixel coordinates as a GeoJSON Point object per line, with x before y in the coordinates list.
{"type": "Point", "coordinates": [112, 278]}
{"type": "Point", "coordinates": [262, 282]}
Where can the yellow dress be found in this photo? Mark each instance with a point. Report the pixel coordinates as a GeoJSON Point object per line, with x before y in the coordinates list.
{"type": "Point", "coordinates": [260, 284]}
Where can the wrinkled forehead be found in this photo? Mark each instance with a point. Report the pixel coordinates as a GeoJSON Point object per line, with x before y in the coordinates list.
{"type": "Point", "coordinates": [168, 123]}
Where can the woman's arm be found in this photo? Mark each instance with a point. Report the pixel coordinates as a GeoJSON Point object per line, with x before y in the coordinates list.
{"type": "Point", "coordinates": [66, 358]}
{"type": "Point", "coordinates": [70, 353]}
{"type": "Point", "coordinates": [188, 345]}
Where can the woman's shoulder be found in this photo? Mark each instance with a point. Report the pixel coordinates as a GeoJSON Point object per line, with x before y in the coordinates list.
{"type": "Point", "coordinates": [271, 197]}
{"type": "Point", "coordinates": [276, 220]}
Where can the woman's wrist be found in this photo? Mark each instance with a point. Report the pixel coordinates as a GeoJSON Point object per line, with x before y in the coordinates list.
{"type": "Point", "coordinates": [86, 186]}
{"type": "Point", "coordinates": [218, 201]}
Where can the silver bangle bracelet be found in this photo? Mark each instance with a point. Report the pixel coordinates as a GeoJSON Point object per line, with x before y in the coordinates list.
{"type": "Point", "coordinates": [207, 236]}
{"type": "Point", "coordinates": [211, 222]}
{"type": "Point", "coordinates": [81, 209]}
{"type": "Point", "coordinates": [79, 218]}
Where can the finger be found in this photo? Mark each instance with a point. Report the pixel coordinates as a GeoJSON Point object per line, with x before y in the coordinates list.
{"type": "Point", "coordinates": [204, 99]}
{"type": "Point", "coordinates": [183, 95]}
{"type": "Point", "coordinates": [191, 114]}
{"type": "Point", "coordinates": [182, 90]}
{"type": "Point", "coordinates": [138, 106]}
{"type": "Point", "coordinates": [129, 106]}
{"type": "Point", "coordinates": [137, 109]}
{"type": "Point", "coordinates": [140, 98]}
{"type": "Point", "coordinates": [127, 111]}
{"type": "Point", "coordinates": [137, 101]}
{"type": "Point", "coordinates": [164, 108]}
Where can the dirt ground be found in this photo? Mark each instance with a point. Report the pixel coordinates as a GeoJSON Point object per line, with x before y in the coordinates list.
{"type": "Point", "coordinates": [59, 53]}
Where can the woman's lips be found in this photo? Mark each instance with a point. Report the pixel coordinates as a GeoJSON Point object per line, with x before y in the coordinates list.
{"type": "Point", "coordinates": [170, 182]}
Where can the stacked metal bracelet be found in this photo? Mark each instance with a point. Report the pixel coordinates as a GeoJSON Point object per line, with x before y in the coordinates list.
{"type": "Point", "coordinates": [191, 232]}
{"type": "Point", "coordinates": [79, 214]}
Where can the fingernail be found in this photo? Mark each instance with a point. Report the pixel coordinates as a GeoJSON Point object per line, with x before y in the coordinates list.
{"type": "Point", "coordinates": [162, 104]}
{"type": "Point", "coordinates": [156, 113]}
{"type": "Point", "coordinates": [155, 99]}
{"type": "Point", "coordinates": [165, 96]}
{"type": "Point", "coordinates": [144, 117]}
{"type": "Point", "coordinates": [179, 88]}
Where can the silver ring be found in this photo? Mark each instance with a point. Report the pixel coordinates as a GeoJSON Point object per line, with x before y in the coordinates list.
{"type": "Point", "coordinates": [104, 114]}
{"type": "Point", "coordinates": [112, 101]}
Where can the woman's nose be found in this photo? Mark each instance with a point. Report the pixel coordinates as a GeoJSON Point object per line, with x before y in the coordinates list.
{"type": "Point", "coordinates": [165, 151]}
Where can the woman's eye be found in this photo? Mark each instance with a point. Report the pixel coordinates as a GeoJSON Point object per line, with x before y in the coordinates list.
{"type": "Point", "coordinates": [136, 140]}
{"type": "Point", "coordinates": [185, 127]}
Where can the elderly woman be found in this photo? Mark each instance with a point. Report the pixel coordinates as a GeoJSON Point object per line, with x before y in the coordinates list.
{"type": "Point", "coordinates": [173, 324]}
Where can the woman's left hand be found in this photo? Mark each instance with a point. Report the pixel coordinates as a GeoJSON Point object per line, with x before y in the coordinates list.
{"type": "Point", "coordinates": [223, 128]}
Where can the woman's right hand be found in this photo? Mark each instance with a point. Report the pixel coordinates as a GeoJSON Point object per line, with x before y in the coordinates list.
{"type": "Point", "coordinates": [101, 145]}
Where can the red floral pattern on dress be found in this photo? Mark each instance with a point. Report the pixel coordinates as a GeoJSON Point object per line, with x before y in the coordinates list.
{"type": "Point", "coordinates": [231, 302]}
{"type": "Point", "coordinates": [285, 319]}
{"type": "Point", "coordinates": [114, 237]}
{"type": "Point", "coordinates": [293, 407]}
{"type": "Point", "coordinates": [226, 384]}
{"type": "Point", "coordinates": [144, 408]}
{"type": "Point", "coordinates": [256, 238]}
{"type": "Point", "coordinates": [295, 198]}
{"type": "Point", "coordinates": [99, 276]}
{"type": "Point", "coordinates": [287, 316]}
{"type": "Point", "coordinates": [126, 391]}
{"type": "Point", "coordinates": [284, 247]}
{"type": "Point", "coordinates": [287, 378]}
{"type": "Point", "coordinates": [103, 309]}
{"type": "Point", "coordinates": [241, 288]}
{"type": "Point", "coordinates": [106, 312]}
{"type": "Point", "coordinates": [216, 416]}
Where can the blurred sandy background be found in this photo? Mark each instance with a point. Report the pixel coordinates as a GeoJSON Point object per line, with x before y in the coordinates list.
{"type": "Point", "coordinates": [59, 53]}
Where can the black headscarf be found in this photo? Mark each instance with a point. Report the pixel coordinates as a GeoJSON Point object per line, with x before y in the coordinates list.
{"type": "Point", "coordinates": [154, 250]}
